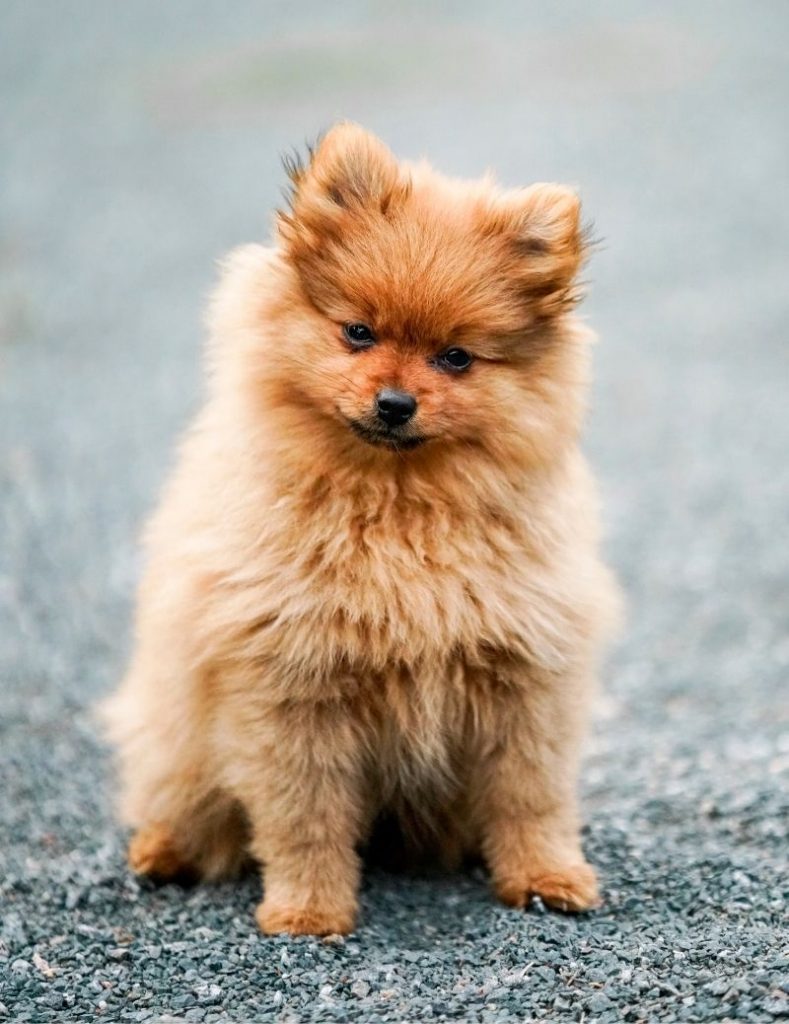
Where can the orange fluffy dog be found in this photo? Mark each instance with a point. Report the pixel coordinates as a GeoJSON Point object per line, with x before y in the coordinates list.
{"type": "Point", "coordinates": [373, 584]}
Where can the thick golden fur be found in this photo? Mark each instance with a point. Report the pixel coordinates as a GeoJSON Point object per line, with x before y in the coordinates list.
{"type": "Point", "coordinates": [328, 630]}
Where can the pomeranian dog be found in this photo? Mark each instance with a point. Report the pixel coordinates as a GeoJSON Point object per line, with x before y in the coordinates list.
{"type": "Point", "coordinates": [373, 586]}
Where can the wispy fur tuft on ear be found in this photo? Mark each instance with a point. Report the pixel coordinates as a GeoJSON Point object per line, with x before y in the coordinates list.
{"type": "Point", "coordinates": [543, 226]}
{"type": "Point", "coordinates": [349, 172]}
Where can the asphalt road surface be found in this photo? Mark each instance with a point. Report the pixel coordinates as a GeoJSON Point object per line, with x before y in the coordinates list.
{"type": "Point", "coordinates": [141, 140]}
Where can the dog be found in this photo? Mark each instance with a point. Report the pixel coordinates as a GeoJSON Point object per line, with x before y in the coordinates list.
{"type": "Point", "coordinates": [373, 585]}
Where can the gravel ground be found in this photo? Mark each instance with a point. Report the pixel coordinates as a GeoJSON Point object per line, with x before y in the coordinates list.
{"type": "Point", "coordinates": [141, 140]}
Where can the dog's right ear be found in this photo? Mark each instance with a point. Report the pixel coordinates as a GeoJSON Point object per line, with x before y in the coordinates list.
{"type": "Point", "coordinates": [349, 173]}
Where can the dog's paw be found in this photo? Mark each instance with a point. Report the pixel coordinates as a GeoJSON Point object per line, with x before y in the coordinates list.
{"type": "Point", "coordinates": [153, 852]}
{"type": "Point", "coordinates": [572, 888]}
{"type": "Point", "coordinates": [277, 920]}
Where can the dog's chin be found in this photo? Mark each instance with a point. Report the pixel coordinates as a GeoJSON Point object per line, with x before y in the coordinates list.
{"type": "Point", "coordinates": [391, 439]}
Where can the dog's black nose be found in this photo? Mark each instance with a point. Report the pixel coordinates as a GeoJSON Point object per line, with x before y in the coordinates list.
{"type": "Point", "coordinates": [394, 407]}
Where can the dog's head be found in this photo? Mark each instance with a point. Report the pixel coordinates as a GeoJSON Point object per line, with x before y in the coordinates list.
{"type": "Point", "coordinates": [432, 309]}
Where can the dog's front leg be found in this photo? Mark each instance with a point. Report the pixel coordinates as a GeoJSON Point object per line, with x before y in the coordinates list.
{"type": "Point", "coordinates": [300, 778]}
{"type": "Point", "coordinates": [525, 799]}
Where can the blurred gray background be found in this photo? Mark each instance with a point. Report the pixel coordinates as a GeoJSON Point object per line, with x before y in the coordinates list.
{"type": "Point", "coordinates": [139, 142]}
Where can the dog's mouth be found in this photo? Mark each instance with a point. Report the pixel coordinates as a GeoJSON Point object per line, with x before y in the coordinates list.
{"type": "Point", "coordinates": [385, 438]}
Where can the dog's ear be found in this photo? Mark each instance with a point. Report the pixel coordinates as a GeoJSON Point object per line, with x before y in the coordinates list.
{"type": "Point", "coordinates": [547, 245]}
{"type": "Point", "coordinates": [348, 173]}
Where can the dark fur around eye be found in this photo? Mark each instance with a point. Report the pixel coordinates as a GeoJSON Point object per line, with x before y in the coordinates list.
{"type": "Point", "coordinates": [454, 360]}
{"type": "Point", "coordinates": [358, 335]}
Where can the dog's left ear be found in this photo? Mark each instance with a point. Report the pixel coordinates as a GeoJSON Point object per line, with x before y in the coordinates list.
{"type": "Point", "coordinates": [351, 172]}
{"type": "Point", "coordinates": [542, 228]}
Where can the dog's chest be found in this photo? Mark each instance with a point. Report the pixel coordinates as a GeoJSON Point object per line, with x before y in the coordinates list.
{"type": "Point", "coordinates": [343, 589]}
{"type": "Point", "coordinates": [411, 587]}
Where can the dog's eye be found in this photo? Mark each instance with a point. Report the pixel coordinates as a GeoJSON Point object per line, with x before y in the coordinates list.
{"type": "Point", "coordinates": [358, 335]}
{"type": "Point", "coordinates": [455, 359]}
